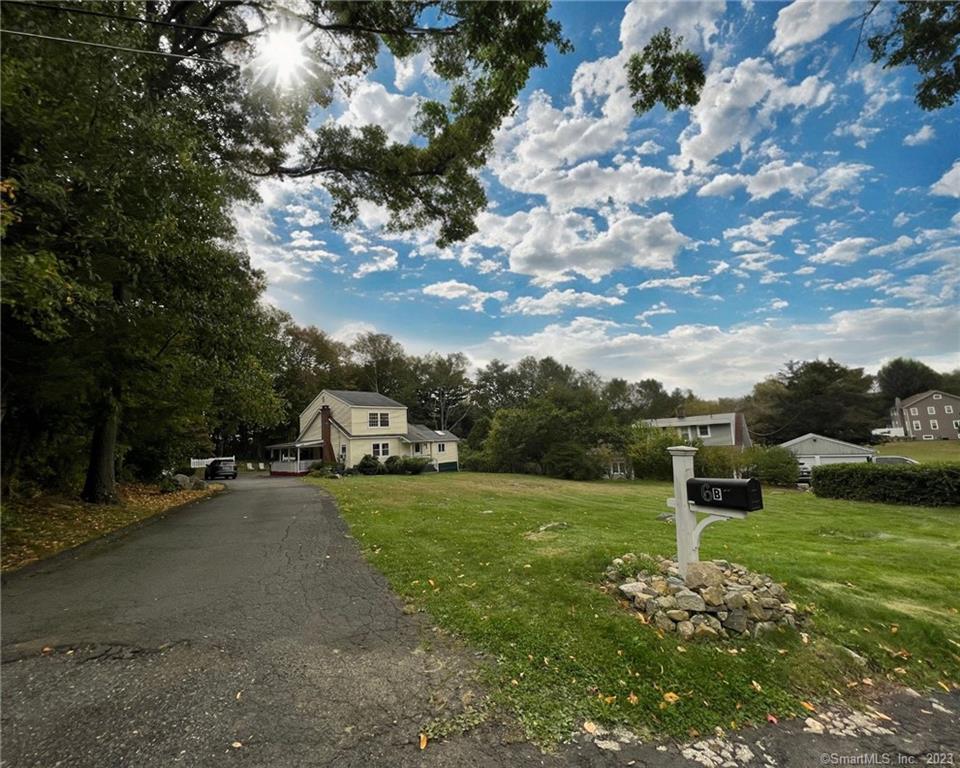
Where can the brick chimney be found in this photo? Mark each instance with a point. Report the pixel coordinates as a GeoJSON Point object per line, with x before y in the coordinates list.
{"type": "Point", "coordinates": [328, 455]}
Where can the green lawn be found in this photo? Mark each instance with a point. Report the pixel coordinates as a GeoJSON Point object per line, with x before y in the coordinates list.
{"type": "Point", "coordinates": [881, 581]}
{"type": "Point", "coordinates": [923, 450]}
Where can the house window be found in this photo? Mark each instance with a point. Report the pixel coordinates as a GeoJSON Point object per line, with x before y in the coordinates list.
{"type": "Point", "coordinates": [931, 410]}
{"type": "Point", "coordinates": [441, 447]}
{"type": "Point", "coordinates": [914, 411]}
{"type": "Point", "coordinates": [948, 409]}
{"type": "Point", "coordinates": [378, 419]}
{"type": "Point", "coordinates": [956, 425]}
{"type": "Point", "coordinates": [934, 424]}
{"type": "Point", "coordinates": [928, 437]}
{"type": "Point", "coordinates": [384, 419]}
{"type": "Point", "coordinates": [916, 426]}
{"type": "Point", "coordinates": [381, 450]}
{"type": "Point", "coordinates": [416, 447]}
{"type": "Point", "coordinates": [938, 397]}
{"type": "Point", "coordinates": [703, 430]}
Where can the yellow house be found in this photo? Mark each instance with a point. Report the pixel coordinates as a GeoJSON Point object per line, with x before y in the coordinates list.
{"type": "Point", "coordinates": [341, 427]}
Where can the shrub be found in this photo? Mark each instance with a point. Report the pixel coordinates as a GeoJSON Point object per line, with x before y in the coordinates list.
{"type": "Point", "coordinates": [647, 449]}
{"type": "Point", "coordinates": [394, 465]}
{"type": "Point", "coordinates": [415, 465]}
{"type": "Point", "coordinates": [931, 485]}
{"type": "Point", "coordinates": [167, 484]}
{"type": "Point", "coordinates": [717, 461]}
{"type": "Point", "coordinates": [774, 465]}
{"type": "Point", "coordinates": [474, 460]}
{"type": "Point", "coordinates": [571, 461]}
{"type": "Point", "coordinates": [369, 466]}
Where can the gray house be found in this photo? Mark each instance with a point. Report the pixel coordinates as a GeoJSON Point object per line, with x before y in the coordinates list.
{"type": "Point", "coordinates": [710, 429]}
{"type": "Point", "coordinates": [931, 415]}
{"type": "Point", "coordinates": [814, 450]}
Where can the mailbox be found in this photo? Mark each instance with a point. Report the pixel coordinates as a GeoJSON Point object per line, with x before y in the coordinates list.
{"type": "Point", "coordinates": [725, 492]}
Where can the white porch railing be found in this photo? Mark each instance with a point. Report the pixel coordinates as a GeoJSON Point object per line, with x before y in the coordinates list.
{"type": "Point", "coordinates": [291, 466]}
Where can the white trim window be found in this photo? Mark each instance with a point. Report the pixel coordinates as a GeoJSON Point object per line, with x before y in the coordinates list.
{"type": "Point", "coordinates": [938, 397]}
{"type": "Point", "coordinates": [956, 424]}
{"type": "Point", "coordinates": [948, 409]}
{"type": "Point", "coordinates": [928, 437]}
{"type": "Point", "coordinates": [703, 430]}
{"type": "Point", "coordinates": [931, 410]}
{"type": "Point", "coordinates": [916, 426]}
{"type": "Point", "coordinates": [378, 419]}
{"type": "Point", "coordinates": [441, 447]}
{"type": "Point", "coordinates": [381, 450]}
{"type": "Point", "coordinates": [934, 424]}
{"type": "Point", "coordinates": [914, 411]}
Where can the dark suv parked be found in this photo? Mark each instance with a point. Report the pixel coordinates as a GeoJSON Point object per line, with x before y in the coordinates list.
{"type": "Point", "coordinates": [220, 468]}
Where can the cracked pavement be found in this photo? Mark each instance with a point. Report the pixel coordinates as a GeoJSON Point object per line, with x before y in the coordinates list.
{"type": "Point", "coordinates": [248, 628]}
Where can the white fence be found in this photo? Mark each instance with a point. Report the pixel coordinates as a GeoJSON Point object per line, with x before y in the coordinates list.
{"type": "Point", "coordinates": [291, 466]}
{"type": "Point", "coordinates": [197, 463]}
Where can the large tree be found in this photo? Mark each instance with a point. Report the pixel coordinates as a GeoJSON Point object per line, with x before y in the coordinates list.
{"type": "Point", "coordinates": [903, 377]}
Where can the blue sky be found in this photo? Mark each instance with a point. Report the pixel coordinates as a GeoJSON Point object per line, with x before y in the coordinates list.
{"type": "Point", "coordinates": [805, 208]}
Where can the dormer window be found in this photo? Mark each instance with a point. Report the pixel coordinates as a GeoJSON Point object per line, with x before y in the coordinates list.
{"type": "Point", "coordinates": [378, 420]}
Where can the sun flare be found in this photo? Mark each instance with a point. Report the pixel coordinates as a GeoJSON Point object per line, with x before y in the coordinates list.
{"type": "Point", "coordinates": [283, 60]}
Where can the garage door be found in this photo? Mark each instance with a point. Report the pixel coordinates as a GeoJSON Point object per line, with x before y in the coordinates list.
{"type": "Point", "coordinates": [447, 466]}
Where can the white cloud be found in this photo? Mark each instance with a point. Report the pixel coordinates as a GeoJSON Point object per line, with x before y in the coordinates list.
{"type": "Point", "coordinates": [777, 304]}
{"type": "Point", "coordinates": [384, 260]}
{"type": "Point", "coordinates": [409, 70]}
{"type": "Point", "coordinates": [372, 104]}
{"type": "Point", "coordinates": [803, 22]}
{"type": "Point", "coordinates": [686, 283]}
{"type": "Point", "coordinates": [742, 355]}
{"type": "Point", "coordinates": [948, 184]}
{"type": "Point", "coordinates": [843, 177]}
{"type": "Point", "coordinates": [474, 298]}
{"type": "Point", "coordinates": [660, 308]}
{"type": "Point", "coordinates": [735, 104]}
{"type": "Point", "coordinates": [939, 288]}
{"type": "Point", "coordinates": [555, 302]}
{"type": "Point", "coordinates": [552, 247]}
{"type": "Point", "coordinates": [899, 245]}
{"type": "Point", "coordinates": [924, 134]}
{"type": "Point", "coordinates": [766, 182]}
{"type": "Point", "coordinates": [877, 278]}
{"type": "Point", "coordinates": [763, 228]}
{"type": "Point", "coordinates": [845, 251]}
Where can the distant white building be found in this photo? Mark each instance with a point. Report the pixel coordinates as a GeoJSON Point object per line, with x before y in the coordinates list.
{"type": "Point", "coordinates": [814, 450]}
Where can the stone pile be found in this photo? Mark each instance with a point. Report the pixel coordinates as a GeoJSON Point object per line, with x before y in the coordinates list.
{"type": "Point", "coordinates": [717, 598]}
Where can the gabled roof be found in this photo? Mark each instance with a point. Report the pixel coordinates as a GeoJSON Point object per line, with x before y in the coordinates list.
{"type": "Point", "coordinates": [923, 395]}
{"type": "Point", "coordinates": [693, 421]}
{"type": "Point", "coordinates": [419, 433]}
{"type": "Point", "coordinates": [798, 440]}
{"type": "Point", "coordinates": [367, 399]}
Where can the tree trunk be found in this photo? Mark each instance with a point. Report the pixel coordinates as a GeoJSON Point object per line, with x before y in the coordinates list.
{"type": "Point", "coordinates": [101, 483]}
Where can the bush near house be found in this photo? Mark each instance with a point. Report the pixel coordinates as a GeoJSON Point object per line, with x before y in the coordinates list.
{"type": "Point", "coordinates": [773, 464]}
{"type": "Point", "coordinates": [933, 485]}
{"type": "Point", "coordinates": [571, 461]}
{"type": "Point", "coordinates": [370, 466]}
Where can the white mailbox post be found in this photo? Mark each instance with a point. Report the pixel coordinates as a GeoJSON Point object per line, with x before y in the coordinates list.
{"type": "Point", "coordinates": [685, 512]}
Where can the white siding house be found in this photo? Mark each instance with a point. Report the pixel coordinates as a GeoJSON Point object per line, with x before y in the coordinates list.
{"type": "Point", "coordinates": [342, 426]}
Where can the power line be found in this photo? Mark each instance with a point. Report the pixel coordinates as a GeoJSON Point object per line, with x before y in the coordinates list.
{"type": "Point", "coordinates": [157, 22]}
{"type": "Point", "coordinates": [118, 48]}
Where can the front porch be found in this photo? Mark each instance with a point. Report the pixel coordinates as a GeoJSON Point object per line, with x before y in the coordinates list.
{"type": "Point", "coordinates": [294, 458]}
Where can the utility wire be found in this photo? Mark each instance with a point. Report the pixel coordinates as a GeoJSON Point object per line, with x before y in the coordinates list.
{"type": "Point", "coordinates": [118, 48]}
{"type": "Point", "coordinates": [157, 22]}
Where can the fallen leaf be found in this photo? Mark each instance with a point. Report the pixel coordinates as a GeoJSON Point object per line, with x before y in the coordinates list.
{"type": "Point", "coordinates": [681, 649]}
{"type": "Point", "coordinates": [238, 695]}
{"type": "Point", "coordinates": [867, 681]}
{"type": "Point", "coordinates": [590, 727]}
{"type": "Point", "coordinates": [894, 629]}
{"type": "Point", "coordinates": [237, 744]}
{"type": "Point", "coordinates": [423, 741]}
{"type": "Point", "coordinates": [670, 697]}
{"type": "Point", "coordinates": [633, 698]}
{"type": "Point", "coordinates": [808, 706]}
{"type": "Point", "coordinates": [756, 686]}
{"type": "Point", "coordinates": [943, 685]}
{"type": "Point", "coordinates": [772, 719]}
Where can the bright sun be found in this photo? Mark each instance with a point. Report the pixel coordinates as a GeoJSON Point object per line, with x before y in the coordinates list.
{"type": "Point", "coordinates": [282, 60]}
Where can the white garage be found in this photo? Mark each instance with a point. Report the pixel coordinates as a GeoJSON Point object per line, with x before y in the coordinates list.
{"type": "Point", "coordinates": [814, 450]}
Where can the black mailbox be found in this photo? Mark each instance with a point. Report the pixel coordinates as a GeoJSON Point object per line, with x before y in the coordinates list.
{"type": "Point", "coordinates": [725, 492]}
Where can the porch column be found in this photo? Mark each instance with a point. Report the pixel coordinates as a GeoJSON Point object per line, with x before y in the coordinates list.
{"type": "Point", "coordinates": [297, 469]}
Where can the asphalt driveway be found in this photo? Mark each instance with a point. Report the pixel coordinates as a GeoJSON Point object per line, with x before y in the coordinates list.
{"type": "Point", "coordinates": [249, 629]}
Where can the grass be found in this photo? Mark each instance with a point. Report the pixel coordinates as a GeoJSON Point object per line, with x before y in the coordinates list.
{"type": "Point", "coordinates": [34, 529]}
{"type": "Point", "coordinates": [879, 580]}
{"type": "Point", "coordinates": [923, 450]}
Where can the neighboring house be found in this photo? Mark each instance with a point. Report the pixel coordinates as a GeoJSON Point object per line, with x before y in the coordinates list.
{"type": "Point", "coordinates": [342, 427]}
{"type": "Point", "coordinates": [931, 415]}
{"type": "Point", "coordinates": [814, 450]}
{"type": "Point", "coordinates": [711, 429]}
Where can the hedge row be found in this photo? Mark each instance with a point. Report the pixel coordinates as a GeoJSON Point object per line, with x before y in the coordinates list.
{"type": "Point", "coordinates": [928, 485]}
